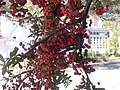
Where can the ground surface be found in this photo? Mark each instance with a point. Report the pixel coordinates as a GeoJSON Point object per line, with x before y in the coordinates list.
{"type": "Point", "coordinates": [107, 73]}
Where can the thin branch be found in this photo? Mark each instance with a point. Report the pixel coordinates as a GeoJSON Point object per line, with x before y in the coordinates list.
{"type": "Point", "coordinates": [21, 83]}
{"type": "Point", "coordinates": [45, 39]}
{"type": "Point", "coordinates": [30, 71]}
{"type": "Point", "coordinates": [67, 49]}
{"type": "Point", "coordinates": [80, 37]}
{"type": "Point", "coordinates": [88, 79]}
{"type": "Point", "coordinates": [85, 13]}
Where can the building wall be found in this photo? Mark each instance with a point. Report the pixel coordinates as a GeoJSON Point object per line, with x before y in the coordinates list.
{"type": "Point", "coordinates": [99, 36]}
{"type": "Point", "coordinates": [99, 41]}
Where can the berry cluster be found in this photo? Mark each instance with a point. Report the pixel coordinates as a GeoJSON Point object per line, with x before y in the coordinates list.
{"type": "Point", "coordinates": [20, 2]}
{"type": "Point", "coordinates": [17, 9]}
{"type": "Point", "coordinates": [18, 12]}
{"type": "Point", "coordinates": [58, 43]}
{"type": "Point", "coordinates": [40, 3]}
{"type": "Point", "coordinates": [49, 18]}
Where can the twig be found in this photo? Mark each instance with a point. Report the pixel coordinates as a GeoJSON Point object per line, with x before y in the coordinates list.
{"type": "Point", "coordinates": [88, 79]}
{"type": "Point", "coordinates": [67, 50]}
{"type": "Point", "coordinates": [45, 39]}
{"type": "Point", "coordinates": [24, 72]}
{"type": "Point", "coordinates": [21, 83]}
{"type": "Point", "coordinates": [85, 13]}
{"type": "Point", "coordinates": [63, 51]}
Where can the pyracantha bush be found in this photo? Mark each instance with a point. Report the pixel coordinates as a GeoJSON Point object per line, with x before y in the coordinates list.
{"type": "Point", "coordinates": [58, 32]}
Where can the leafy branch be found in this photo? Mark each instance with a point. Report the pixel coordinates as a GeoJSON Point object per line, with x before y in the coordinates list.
{"type": "Point", "coordinates": [81, 19]}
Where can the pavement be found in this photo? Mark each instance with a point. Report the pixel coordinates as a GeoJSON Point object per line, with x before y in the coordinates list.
{"type": "Point", "coordinates": [107, 73]}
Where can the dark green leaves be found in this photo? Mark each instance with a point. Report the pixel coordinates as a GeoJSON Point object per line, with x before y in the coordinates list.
{"type": "Point", "coordinates": [54, 86]}
{"type": "Point", "coordinates": [20, 66]}
{"type": "Point", "coordinates": [6, 66]}
{"type": "Point", "coordinates": [1, 58]}
{"type": "Point", "coordinates": [9, 61]}
{"type": "Point", "coordinates": [78, 58]}
{"type": "Point", "coordinates": [98, 4]}
{"type": "Point", "coordinates": [35, 27]}
{"type": "Point", "coordinates": [63, 77]}
{"type": "Point", "coordinates": [49, 17]}
{"type": "Point", "coordinates": [4, 69]}
{"type": "Point", "coordinates": [14, 52]}
{"type": "Point", "coordinates": [29, 14]}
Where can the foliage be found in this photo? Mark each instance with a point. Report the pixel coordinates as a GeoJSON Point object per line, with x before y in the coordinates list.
{"type": "Point", "coordinates": [114, 44]}
{"type": "Point", "coordinates": [115, 9]}
{"type": "Point", "coordinates": [113, 13]}
{"type": "Point", "coordinates": [92, 57]}
{"type": "Point", "coordinates": [58, 29]}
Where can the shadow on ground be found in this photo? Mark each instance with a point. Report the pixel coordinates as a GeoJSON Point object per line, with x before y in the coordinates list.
{"type": "Point", "coordinates": [107, 65]}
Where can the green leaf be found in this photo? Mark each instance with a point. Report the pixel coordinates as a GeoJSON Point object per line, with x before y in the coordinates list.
{"type": "Point", "coordinates": [98, 4]}
{"type": "Point", "coordinates": [4, 70]}
{"type": "Point", "coordinates": [57, 88]}
{"type": "Point", "coordinates": [13, 60]}
{"type": "Point", "coordinates": [38, 52]}
{"type": "Point", "coordinates": [1, 58]}
{"type": "Point", "coordinates": [29, 14]}
{"type": "Point", "coordinates": [20, 66]}
{"type": "Point", "coordinates": [88, 88]}
{"type": "Point", "coordinates": [54, 86]}
{"type": "Point", "coordinates": [78, 58]}
{"type": "Point", "coordinates": [35, 27]}
{"type": "Point", "coordinates": [14, 52]}
{"type": "Point", "coordinates": [9, 71]}
{"type": "Point", "coordinates": [8, 64]}
{"type": "Point", "coordinates": [6, 78]}
{"type": "Point", "coordinates": [49, 17]}
{"type": "Point", "coordinates": [60, 78]}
